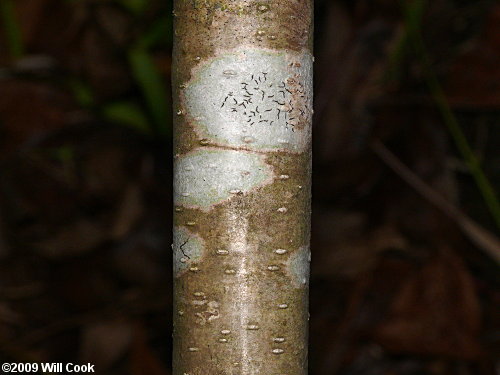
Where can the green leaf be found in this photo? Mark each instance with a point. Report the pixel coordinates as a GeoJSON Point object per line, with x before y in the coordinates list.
{"type": "Point", "coordinates": [11, 28]}
{"type": "Point", "coordinates": [160, 33]}
{"type": "Point", "coordinates": [152, 86]}
{"type": "Point", "coordinates": [82, 92]}
{"type": "Point", "coordinates": [128, 114]}
{"type": "Point", "coordinates": [135, 6]}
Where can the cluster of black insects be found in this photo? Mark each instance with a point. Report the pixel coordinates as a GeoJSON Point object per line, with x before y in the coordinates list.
{"type": "Point", "coordinates": [257, 95]}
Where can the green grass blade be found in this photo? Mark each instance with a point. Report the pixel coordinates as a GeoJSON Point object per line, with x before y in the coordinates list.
{"type": "Point", "coordinates": [11, 28]}
{"type": "Point", "coordinates": [413, 12]}
{"type": "Point", "coordinates": [128, 114]}
{"type": "Point", "coordinates": [153, 88]}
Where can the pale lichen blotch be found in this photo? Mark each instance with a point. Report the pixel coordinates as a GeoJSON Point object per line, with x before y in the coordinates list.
{"type": "Point", "coordinates": [253, 98]}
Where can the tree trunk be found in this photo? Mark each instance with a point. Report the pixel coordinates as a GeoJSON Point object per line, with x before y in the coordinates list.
{"type": "Point", "coordinates": [242, 76]}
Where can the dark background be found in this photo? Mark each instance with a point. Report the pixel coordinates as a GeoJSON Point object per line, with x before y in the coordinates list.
{"type": "Point", "coordinates": [405, 254]}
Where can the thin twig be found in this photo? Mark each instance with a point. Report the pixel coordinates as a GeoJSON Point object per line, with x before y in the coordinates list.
{"type": "Point", "coordinates": [482, 238]}
{"type": "Point", "coordinates": [413, 12]}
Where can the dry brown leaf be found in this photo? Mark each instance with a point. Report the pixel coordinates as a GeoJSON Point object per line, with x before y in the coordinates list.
{"type": "Point", "coordinates": [73, 239]}
{"type": "Point", "coordinates": [474, 79]}
{"type": "Point", "coordinates": [130, 210]}
{"type": "Point", "coordinates": [103, 343]}
{"type": "Point", "coordinates": [143, 361]}
{"type": "Point", "coordinates": [28, 111]}
{"type": "Point", "coordinates": [435, 312]}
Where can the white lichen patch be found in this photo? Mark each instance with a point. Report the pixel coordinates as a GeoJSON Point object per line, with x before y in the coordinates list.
{"type": "Point", "coordinates": [188, 249]}
{"type": "Point", "coordinates": [208, 176]}
{"type": "Point", "coordinates": [257, 99]}
{"type": "Point", "coordinates": [298, 266]}
{"type": "Point", "coordinates": [211, 312]}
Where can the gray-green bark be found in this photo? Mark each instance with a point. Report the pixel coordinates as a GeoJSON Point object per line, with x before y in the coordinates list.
{"type": "Point", "coordinates": [242, 79]}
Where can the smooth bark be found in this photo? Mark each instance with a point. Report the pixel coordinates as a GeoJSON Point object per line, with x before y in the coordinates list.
{"type": "Point", "coordinates": [242, 84]}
